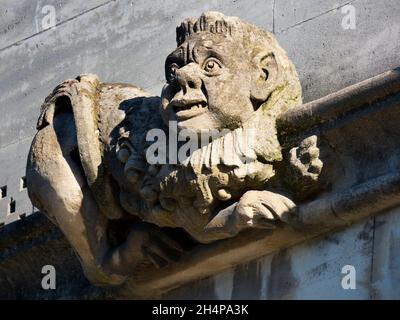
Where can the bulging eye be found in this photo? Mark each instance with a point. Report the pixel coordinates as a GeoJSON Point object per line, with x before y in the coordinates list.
{"type": "Point", "coordinates": [212, 66]}
{"type": "Point", "coordinates": [172, 72]}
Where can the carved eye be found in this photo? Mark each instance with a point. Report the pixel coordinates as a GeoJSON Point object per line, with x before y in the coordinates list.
{"type": "Point", "coordinates": [172, 71]}
{"type": "Point", "coordinates": [212, 66]}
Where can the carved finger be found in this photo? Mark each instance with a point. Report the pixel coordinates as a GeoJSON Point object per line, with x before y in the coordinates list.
{"type": "Point", "coordinates": [293, 158]}
{"type": "Point", "coordinates": [276, 204]}
{"type": "Point", "coordinates": [227, 221]}
{"type": "Point", "coordinates": [288, 203]}
{"type": "Point", "coordinates": [262, 223]}
{"type": "Point", "coordinates": [316, 166]}
{"type": "Point", "coordinates": [308, 155]}
{"type": "Point", "coordinates": [291, 208]}
{"type": "Point", "coordinates": [293, 155]}
{"type": "Point", "coordinates": [275, 209]}
{"type": "Point", "coordinates": [309, 142]}
{"type": "Point", "coordinates": [264, 211]}
{"type": "Point", "coordinates": [314, 152]}
{"type": "Point", "coordinates": [256, 216]}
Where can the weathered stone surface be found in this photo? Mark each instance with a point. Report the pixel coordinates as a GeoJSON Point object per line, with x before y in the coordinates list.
{"type": "Point", "coordinates": [319, 19]}
{"type": "Point", "coordinates": [227, 79]}
{"type": "Point", "coordinates": [225, 75]}
{"type": "Point", "coordinates": [310, 265]}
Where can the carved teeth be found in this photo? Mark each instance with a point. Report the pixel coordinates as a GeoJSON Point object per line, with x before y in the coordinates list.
{"type": "Point", "coordinates": [191, 107]}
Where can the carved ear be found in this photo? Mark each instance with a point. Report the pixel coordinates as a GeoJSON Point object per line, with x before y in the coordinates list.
{"type": "Point", "coordinates": [266, 76]}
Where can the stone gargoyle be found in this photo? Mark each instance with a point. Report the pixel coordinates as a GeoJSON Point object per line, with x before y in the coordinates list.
{"type": "Point", "coordinates": [123, 173]}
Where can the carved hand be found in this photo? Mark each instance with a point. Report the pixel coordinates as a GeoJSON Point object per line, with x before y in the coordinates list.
{"type": "Point", "coordinates": [255, 209]}
{"type": "Point", "coordinates": [263, 209]}
{"type": "Point", "coordinates": [305, 166]}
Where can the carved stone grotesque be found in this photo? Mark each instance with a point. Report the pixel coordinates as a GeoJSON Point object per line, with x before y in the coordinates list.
{"type": "Point", "coordinates": [121, 171]}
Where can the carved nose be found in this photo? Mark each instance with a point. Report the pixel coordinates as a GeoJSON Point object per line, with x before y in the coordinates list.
{"type": "Point", "coordinates": [188, 77]}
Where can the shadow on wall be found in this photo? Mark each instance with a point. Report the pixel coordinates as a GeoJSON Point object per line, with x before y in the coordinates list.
{"type": "Point", "coordinates": [29, 244]}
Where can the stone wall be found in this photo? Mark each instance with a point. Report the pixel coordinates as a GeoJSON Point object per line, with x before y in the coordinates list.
{"type": "Point", "coordinates": [313, 269]}
{"type": "Point", "coordinates": [127, 41]}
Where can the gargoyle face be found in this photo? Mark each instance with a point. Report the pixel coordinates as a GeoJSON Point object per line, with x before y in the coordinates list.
{"type": "Point", "coordinates": [208, 84]}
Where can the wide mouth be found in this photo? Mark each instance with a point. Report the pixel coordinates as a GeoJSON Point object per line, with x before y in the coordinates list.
{"type": "Point", "coordinates": [186, 110]}
{"type": "Point", "coordinates": [189, 106]}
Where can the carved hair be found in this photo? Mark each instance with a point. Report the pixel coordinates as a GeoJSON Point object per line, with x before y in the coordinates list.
{"type": "Point", "coordinates": [213, 22]}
